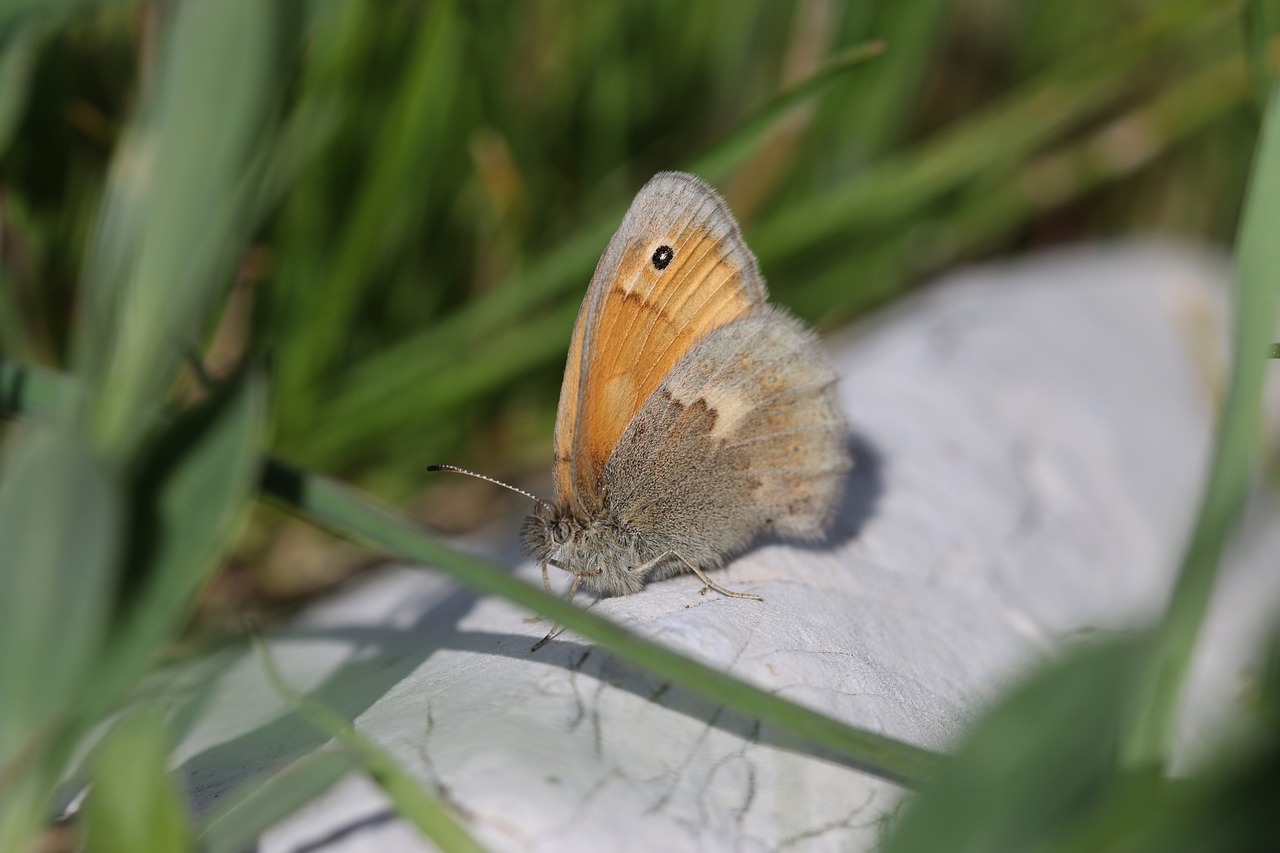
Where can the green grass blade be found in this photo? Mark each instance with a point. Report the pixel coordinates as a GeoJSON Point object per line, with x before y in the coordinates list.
{"type": "Point", "coordinates": [1032, 766]}
{"type": "Point", "coordinates": [1261, 25]}
{"type": "Point", "coordinates": [870, 115]}
{"type": "Point", "coordinates": [18, 48]}
{"type": "Point", "coordinates": [261, 803]}
{"type": "Point", "coordinates": [406, 153]}
{"type": "Point", "coordinates": [414, 804]}
{"type": "Point", "coordinates": [190, 491]}
{"type": "Point", "coordinates": [134, 806]}
{"type": "Point", "coordinates": [1235, 453]}
{"type": "Point", "coordinates": [717, 163]}
{"type": "Point", "coordinates": [1022, 123]}
{"type": "Point", "coordinates": [174, 205]}
{"type": "Point", "coordinates": [60, 528]}
{"type": "Point", "coordinates": [979, 219]}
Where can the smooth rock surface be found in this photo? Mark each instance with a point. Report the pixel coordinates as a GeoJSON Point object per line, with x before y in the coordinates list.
{"type": "Point", "coordinates": [1030, 440]}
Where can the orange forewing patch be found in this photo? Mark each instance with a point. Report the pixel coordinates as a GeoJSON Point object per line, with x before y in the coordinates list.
{"type": "Point", "coordinates": [638, 321]}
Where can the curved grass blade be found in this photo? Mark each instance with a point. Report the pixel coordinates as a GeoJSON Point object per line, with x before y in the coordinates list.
{"type": "Point", "coordinates": [174, 204]}
{"type": "Point", "coordinates": [134, 806]}
{"type": "Point", "coordinates": [718, 162]}
{"type": "Point", "coordinates": [1032, 766]}
{"type": "Point", "coordinates": [191, 488]}
{"type": "Point", "coordinates": [1261, 25]}
{"type": "Point", "coordinates": [411, 801]}
{"type": "Point", "coordinates": [1235, 452]}
{"type": "Point", "coordinates": [60, 519]}
{"type": "Point", "coordinates": [261, 803]}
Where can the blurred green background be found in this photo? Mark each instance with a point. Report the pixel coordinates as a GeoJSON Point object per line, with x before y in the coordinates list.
{"type": "Point", "coordinates": [441, 178]}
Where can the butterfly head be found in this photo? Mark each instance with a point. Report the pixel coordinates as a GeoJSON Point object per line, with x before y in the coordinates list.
{"type": "Point", "coordinates": [546, 531]}
{"type": "Point", "coordinates": [597, 551]}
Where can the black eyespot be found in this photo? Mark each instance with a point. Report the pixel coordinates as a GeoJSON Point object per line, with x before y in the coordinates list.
{"type": "Point", "coordinates": [662, 256]}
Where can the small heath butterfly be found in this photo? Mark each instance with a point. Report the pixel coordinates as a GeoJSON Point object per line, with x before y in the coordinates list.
{"type": "Point", "coordinates": [693, 416]}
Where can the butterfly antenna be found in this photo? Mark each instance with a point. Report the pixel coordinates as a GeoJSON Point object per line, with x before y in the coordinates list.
{"type": "Point", "coordinates": [455, 469]}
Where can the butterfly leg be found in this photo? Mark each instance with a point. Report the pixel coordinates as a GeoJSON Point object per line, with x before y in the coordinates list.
{"type": "Point", "coordinates": [702, 576]}
{"type": "Point", "coordinates": [573, 588]}
{"type": "Point", "coordinates": [546, 584]}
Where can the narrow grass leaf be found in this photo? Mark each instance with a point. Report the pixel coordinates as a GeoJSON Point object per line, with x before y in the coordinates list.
{"type": "Point", "coordinates": [1234, 457]}
{"type": "Point", "coordinates": [406, 153]}
{"type": "Point", "coordinates": [412, 802]}
{"type": "Point", "coordinates": [33, 392]}
{"type": "Point", "coordinates": [718, 162]}
{"type": "Point", "coordinates": [134, 806]}
{"type": "Point", "coordinates": [1032, 766]}
{"type": "Point", "coordinates": [60, 521]}
{"type": "Point", "coordinates": [177, 193]}
{"type": "Point", "coordinates": [1031, 117]}
{"type": "Point", "coordinates": [191, 487]}
{"type": "Point", "coordinates": [261, 803]}
{"type": "Point", "coordinates": [18, 50]}
{"type": "Point", "coordinates": [1261, 26]}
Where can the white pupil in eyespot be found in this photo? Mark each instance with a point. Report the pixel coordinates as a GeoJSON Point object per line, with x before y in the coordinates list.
{"type": "Point", "coordinates": [662, 256]}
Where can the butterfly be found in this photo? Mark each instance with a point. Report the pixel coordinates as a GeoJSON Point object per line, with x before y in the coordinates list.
{"type": "Point", "coordinates": [693, 415]}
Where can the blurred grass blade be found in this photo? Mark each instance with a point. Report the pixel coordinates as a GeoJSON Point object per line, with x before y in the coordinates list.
{"type": "Point", "coordinates": [192, 488]}
{"type": "Point", "coordinates": [1031, 766]}
{"type": "Point", "coordinates": [406, 154]}
{"type": "Point", "coordinates": [413, 803]}
{"type": "Point", "coordinates": [306, 131]}
{"type": "Point", "coordinates": [19, 13]}
{"type": "Point", "coordinates": [261, 803]}
{"type": "Point", "coordinates": [134, 806]}
{"type": "Point", "coordinates": [174, 202]}
{"type": "Point", "coordinates": [18, 48]}
{"type": "Point", "coordinates": [871, 116]}
{"type": "Point", "coordinates": [1027, 120]}
{"type": "Point", "coordinates": [982, 215]}
{"type": "Point", "coordinates": [1257, 295]}
{"type": "Point", "coordinates": [717, 163]}
{"type": "Point", "coordinates": [59, 525]}
{"type": "Point", "coordinates": [35, 393]}
{"type": "Point", "coordinates": [1261, 26]}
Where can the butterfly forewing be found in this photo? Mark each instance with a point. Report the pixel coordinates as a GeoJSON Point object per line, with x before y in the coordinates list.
{"type": "Point", "coordinates": [676, 270]}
